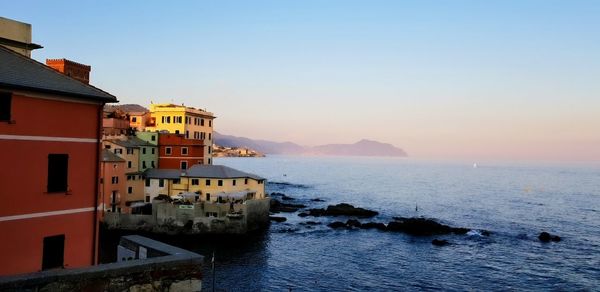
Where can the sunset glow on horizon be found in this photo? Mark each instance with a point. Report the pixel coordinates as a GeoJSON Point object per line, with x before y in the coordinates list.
{"type": "Point", "coordinates": [503, 80]}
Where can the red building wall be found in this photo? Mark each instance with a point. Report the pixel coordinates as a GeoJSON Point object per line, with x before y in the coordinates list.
{"type": "Point", "coordinates": [176, 142]}
{"type": "Point", "coordinates": [28, 213]}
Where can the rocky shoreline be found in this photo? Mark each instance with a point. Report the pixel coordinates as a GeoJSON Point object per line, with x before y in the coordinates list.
{"type": "Point", "coordinates": [413, 226]}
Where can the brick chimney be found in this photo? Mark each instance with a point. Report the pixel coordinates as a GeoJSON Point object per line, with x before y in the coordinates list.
{"type": "Point", "coordinates": [76, 70]}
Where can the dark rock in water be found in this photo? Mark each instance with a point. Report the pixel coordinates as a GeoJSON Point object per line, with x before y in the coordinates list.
{"type": "Point", "coordinates": [310, 223]}
{"type": "Point", "coordinates": [317, 200]}
{"type": "Point", "coordinates": [278, 206]}
{"type": "Point", "coordinates": [337, 224]}
{"type": "Point", "coordinates": [440, 242]}
{"type": "Point", "coordinates": [485, 233]}
{"type": "Point", "coordinates": [547, 237]}
{"type": "Point", "coordinates": [353, 223]}
{"type": "Point", "coordinates": [277, 219]}
{"type": "Point", "coordinates": [282, 196]}
{"type": "Point", "coordinates": [376, 225]}
{"type": "Point", "coordinates": [422, 226]}
{"type": "Point", "coordinates": [460, 231]}
{"type": "Point", "coordinates": [342, 209]}
{"type": "Point", "coordinates": [303, 214]}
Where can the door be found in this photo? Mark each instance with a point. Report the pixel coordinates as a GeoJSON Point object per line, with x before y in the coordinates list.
{"type": "Point", "coordinates": [54, 252]}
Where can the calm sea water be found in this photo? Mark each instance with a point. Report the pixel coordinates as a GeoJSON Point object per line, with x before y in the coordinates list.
{"type": "Point", "coordinates": [513, 201]}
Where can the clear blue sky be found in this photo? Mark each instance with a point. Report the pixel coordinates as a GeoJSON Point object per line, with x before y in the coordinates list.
{"type": "Point", "coordinates": [451, 79]}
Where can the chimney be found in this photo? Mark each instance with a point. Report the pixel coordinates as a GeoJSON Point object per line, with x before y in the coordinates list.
{"type": "Point", "coordinates": [16, 36]}
{"type": "Point", "coordinates": [73, 69]}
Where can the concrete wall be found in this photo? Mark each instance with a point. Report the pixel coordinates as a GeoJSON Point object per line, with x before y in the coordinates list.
{"type": "Point", "coordinates": [152, 266]}
{"type": "Point", "coordinates": [16, 31]}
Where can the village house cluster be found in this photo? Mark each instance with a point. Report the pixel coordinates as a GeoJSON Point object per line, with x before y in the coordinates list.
{"type": "Point", "coordinates": [65, 172]}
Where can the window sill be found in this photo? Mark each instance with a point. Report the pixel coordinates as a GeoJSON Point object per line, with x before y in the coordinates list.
{"type": "Point", "coordinates": [66, 193]}
{"type": "Point", "coordinates": [10, 122]}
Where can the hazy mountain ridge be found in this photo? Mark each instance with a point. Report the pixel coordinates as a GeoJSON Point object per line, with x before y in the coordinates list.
{"type": "Point", "coordinates": [361, 148]}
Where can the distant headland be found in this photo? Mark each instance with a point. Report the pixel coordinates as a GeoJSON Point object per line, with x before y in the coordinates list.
{"type": "Point", "coordinates": [361, 148]}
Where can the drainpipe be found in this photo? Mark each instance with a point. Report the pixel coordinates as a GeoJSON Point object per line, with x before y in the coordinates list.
{"type": "Point", "coordinates": [97, 192]}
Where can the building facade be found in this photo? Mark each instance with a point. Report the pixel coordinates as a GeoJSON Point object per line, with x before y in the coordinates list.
{"type": "Point", "coordinates": [52, 166]}
{"type": "Point", "coordinates": [112, 182]}
{"type": "Point", "coordinates": [207, 183]}
{"type": "Point", "coordinates": [177, 152]}
{"type": "Point", "coordinates": [193, 123]}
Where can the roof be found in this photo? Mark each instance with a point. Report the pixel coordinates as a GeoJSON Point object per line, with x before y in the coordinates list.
{"type": "Point", "coordinates": [20, 72]}
{"type": "Point", "coordinates": [163, 173]}
{"type": "Point", "coordinates": [218, 171]}
{"type": "Point", "coordinates": [108, 156]}
{"type": "Point", "coordinates": [131, 142]}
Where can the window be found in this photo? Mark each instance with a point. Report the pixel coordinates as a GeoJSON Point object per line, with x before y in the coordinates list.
{"type": "Point", "coordinates": [114, 180]}
{"type": "Point", "coordinates": [147, 199]}
{"type": "Point", "coordinates": [260, 182]}
{"type": "Point", "coordinates": [177, 181]}
{"type": "Point", "coordinates": [187, 134]}
{"type": "Point", "coordinates": [209, 136]}
{"type": "Point", "coordinates": [234, 182]}
{"type": "Point", "coordinates": [245, 181]}
{"type": "Point", "coordinates": [147, 182]}
{"type": "Point", "coordinates": [168, 120]}
{"type": "Point", "coordinates": [201, 122]}
{"type": "Point", "coordinates": [129, 150]}
{"type": "Point", "coordinates": [152, 164]}
{"type": "Point", "coordinates": [176, 131]}
{"type": "Point", "coordinates": [143, 164]}
{"type": "Point", "coordinates": [128, 164]}
{"type": "Point", "coordinates": [118, 150]}
{"type": "Point", "coordinates": [209, 161]}
{"type": "Point", "coordinates": [161, 183]}
{"type": "Point", "coordinates": [5, 106]}
{"type": "Point", "coordinates": [129, 190]}
{"type": "Point", "coordinates": [195, 181]}
{"type": "Point", "coordinates": [184, 151]}
{"type": "Point", "coordinates": [134, 119]}
{"type": "Point", "coordinates": [53, 252]}
{"type": "Point", "coordinates": [220, 182]}
{"type": "Point", "coordinates": [58, 168]}
{"type": "Point", "coordinates": [129, 177]}
{"type": "Point", "coordinates": [209, 149]}
{"type": "Point", "coordinates": [168, 150]}
{"type": "Point", "coordinates": [153, 149]}
{"type": "Point", "coordinates": [184, 165]}
{"type": "Point", "coordinates": [153, 138]}
{"type": "Point", "coordinates": [208, 182]}
{"type": "Point", "coordinates": [208, 196]}
{"type": "Point", "coordinates": [210, 123]}
{"type": "Point", "coordinates": [143, 150]}
{"type": "Point", "coordinates": [163, 119]}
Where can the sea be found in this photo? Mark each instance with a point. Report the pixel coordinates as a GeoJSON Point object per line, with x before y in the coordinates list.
{"type": "Point", "coordinates": [513, 201]}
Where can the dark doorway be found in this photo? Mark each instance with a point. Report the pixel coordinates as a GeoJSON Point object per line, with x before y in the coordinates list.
{"type": "Point", "coordinates": [54, 252]}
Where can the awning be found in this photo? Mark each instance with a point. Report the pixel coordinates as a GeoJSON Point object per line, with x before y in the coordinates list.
{"type": "Point", "coordinates": [235, 195]}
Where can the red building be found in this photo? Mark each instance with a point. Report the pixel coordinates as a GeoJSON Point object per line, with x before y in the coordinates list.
{"type": "Point", "coordinates": [50, 127]}
{"type": "Point", "coordinates": [177, 152]}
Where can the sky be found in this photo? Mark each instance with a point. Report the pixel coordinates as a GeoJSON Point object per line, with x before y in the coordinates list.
{"type": "Point", "coordinates": [502, 80]}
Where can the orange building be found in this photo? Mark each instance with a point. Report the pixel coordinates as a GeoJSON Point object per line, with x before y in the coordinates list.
{"type": "Point", "coordinates": [113, 187]}
{"type": "Point", "coordinates": [177, 152]}
{"type": "Point", "coordinates": [50, 127]}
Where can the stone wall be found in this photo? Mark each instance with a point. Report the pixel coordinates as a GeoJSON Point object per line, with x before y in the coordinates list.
{"type": "Point", "coordinates": [191, 219]}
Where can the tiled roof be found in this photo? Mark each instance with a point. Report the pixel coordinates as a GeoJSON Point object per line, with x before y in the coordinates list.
{"type": "Point", "coordinates": [131, 142]}
{"type": "Point", "coordinates": [218, 171]}
{"type": "Point", "coordinates": [108, 156]}
{"type": "Point", "coordinates": [20, 72]}
{"type": "Point", "coordinates": [163, 173]}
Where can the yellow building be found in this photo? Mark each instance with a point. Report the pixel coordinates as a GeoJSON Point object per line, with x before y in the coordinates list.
{"type": "Point", "coordinates": [193, 123]}
{"type": "Point", "coordinates": [212, 183]}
